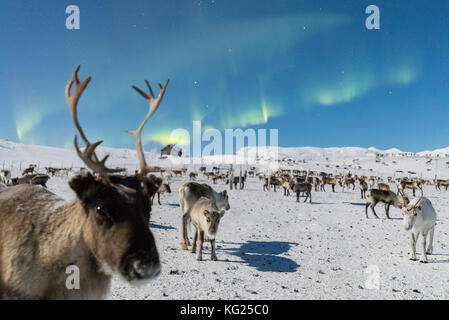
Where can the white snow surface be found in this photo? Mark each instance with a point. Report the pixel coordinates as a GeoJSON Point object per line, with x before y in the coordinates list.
{"type": "Point", "coordinates": [271, 247]}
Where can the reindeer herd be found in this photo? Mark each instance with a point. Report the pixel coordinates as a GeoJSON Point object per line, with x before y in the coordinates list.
{"type": "Point", "coordinates": [105, 230]}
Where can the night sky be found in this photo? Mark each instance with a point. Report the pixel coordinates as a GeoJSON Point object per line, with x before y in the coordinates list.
{"type": "Point", "coordinates": [308, 68]}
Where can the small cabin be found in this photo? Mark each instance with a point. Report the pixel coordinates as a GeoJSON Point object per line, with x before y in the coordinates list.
{"type": "Point", "coordinates": [171, 150]}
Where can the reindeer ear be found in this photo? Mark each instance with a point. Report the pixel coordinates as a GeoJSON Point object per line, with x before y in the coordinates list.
{"type": "Point", "coordinates": [84, 186]}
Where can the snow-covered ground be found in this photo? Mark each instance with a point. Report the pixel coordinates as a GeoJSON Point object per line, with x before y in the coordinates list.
{"type": "Point", "coordinates": [271, 247]}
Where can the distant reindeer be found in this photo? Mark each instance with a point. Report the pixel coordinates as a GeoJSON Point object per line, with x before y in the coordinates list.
{"type": "Point", "coordinates": [332, 181]}
{"type": "Point", "coordinates": [305, 187]}
{"type": "Point", "coordinates": [164, 188]}
{"type": "Point", "coordinates": [363, 188]}
{"type": "Point", "coordinates": [409, 184]}
{"type": "Point", "coordinates": [193, 176]}
{"type": "Point", "coordinates": [441, 183]}
{"type": "Point", "coordinates": [374, 196]}
{"type": "Point", "coordinates": [383, 186]}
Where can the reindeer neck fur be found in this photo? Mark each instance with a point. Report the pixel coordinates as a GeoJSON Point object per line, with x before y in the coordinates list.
{"type": "Point", "coordinates": [52, 236]}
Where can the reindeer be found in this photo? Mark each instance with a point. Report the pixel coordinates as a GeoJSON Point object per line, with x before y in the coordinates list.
{"type": "Point", "coordinates": [164, 188]}
{"type": "Point", "coordinates": [272, 181]}
{"type": "Point", "coordinates": [102, 232]}
{"type": "Point", "coordinates": [236, 181]}
{"type": "Point", "coordinates": [177, 172]}
{"type": "Point", "coordinates": [389, 198]}
{"type": "Point", "coordinates": [363, 188]}
{"type": "Point", "coordinates": [193, 176]}
{"type": "Point", "coordinates": [441, 183]}
{"type": "Point", "coordinates": [409, 184]}
{"type": "Point", "coordinates": [332, 181]}
{"type": "Point", "coordinates": [5, 176]}
{"type": "Point", "coordinates": [383, 186]}
{"type": "Point", "coordinates": [420, 218]}
{"type": "Point", "coordinates": [29, 170]}
{"type": "Point", "coordinates": [305, 187]}
{"type": "Point", "coordinates": [205, 217]}
{"type": "Point", "coordinates": [189, 193]}
{"type": "Point", "coordinates": [349, 180]}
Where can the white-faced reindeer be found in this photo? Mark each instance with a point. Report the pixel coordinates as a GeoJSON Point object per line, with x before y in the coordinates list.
{"type": "Point", "coordinates": [102, 232]}
{"type": "Point", "coordinates": [189, 194]}
{"type": "Point", "coordinates": [205, 217]}
{"type": "Point", "coordinates": [420, 219]}
{"type": "Point", "coordinates": [374, 196]}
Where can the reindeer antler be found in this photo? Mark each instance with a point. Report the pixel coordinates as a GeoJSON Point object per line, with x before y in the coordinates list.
{"type": "Point", "coordinates": [88, 155]}
{"type": "Point", "coordinates": [153, 105]}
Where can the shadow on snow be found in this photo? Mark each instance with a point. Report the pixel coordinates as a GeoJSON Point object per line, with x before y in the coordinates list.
{"type": "Point", "coordinates": [264, 255]}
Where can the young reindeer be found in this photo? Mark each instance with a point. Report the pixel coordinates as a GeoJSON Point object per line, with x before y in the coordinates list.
{"type": "Point", "coordinates": [420, 218]}
{"type": "Point", "coordinates": [374, 196]}
{"type": "Point", "coordinates": [102, 232]}
{"type": "Point", "coordinates": [205, 217]}
{"type": "Point", "coordinates": [189, 194]}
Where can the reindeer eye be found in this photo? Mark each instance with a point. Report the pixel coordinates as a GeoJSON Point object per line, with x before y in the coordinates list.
{"type": "Point", "coordinates": [100, 210]}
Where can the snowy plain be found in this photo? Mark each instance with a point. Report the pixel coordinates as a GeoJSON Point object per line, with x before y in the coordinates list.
{"type": "Point", "coordinates": [271, 247]}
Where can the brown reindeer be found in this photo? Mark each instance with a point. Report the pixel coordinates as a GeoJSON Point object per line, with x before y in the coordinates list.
{"type": "Point", "coordinates": [383, 186]}
{"type": "Point", "coordinates": [409, 184]}
{"type": "Point", "coordinates": [389, 198]}
{"type": "Point", "coordinates": [189, 194]}
{"type": "Point", "coordinates": [205, 217]}
{"type": "Point", "coordinates": [332, 181]}
{"type": "Point", "coordinates": [305, 187]}
{"type": "Point", "coordinates": [164, 188]}
{"type": "Point", "coordinates": [102, 232]}
{"type": "Point", "coordinates": [441, 183]}
{"type": "Point", "coordinates": [193, 176]}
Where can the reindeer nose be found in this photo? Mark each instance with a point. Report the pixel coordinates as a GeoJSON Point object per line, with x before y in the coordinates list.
{"type": "Point", "coordinates": [147, 270]}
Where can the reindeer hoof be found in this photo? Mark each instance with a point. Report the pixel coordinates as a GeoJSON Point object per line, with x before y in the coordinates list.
{"type": "Point", "coordinates": [199, 258]}
{"type": "Point", "coordinates": [183, 246]}
{"type": "Point", "coordinates": [214, 258]}
{"type": "Point", "coordinates": [429, 251]}
{"type": "Point", "coordinates": [423, 261]}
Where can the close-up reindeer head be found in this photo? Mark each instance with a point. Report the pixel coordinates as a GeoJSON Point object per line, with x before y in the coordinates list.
{"type": "Point", "coordinates": [118, 207]}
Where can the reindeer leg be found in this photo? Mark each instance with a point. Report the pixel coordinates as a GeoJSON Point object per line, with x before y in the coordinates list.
{"type": "Point", "coordinates": [159, 198]}
{"type": "Point", "coordinates": [185, 237]}
{"type": "Point", "coordinates": [366, 209]}
{"type": "Point", "coordinates": [213, 255]}
{"type": "Point", "coordinates": [199, 256]}
{"type": "Point", "coordinates": [423, 255]}
{"type": "Point", "coordinates": [430, 247]}
{"type": "Point", "coordinates": [297, 196]}
{"type": "Point", "coordinates": [387, 210]}
{"type": "Point", "coordinates": [372, 208]}
{"type": "Point", "coordinates": [412, 255]}
{"type": "Point", "coordinates": [195, 239]}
